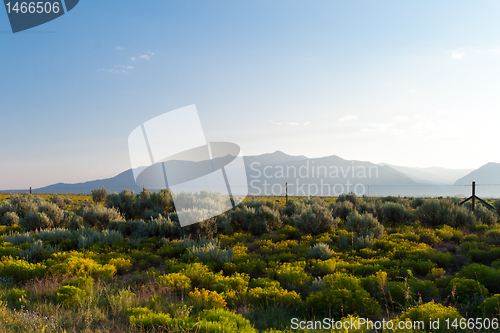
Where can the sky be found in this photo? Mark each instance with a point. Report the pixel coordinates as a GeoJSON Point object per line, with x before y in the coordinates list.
{"type": "Point", "coordinates": [410, 83]}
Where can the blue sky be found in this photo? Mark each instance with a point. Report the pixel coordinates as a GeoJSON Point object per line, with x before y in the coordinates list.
{"type": "Point", "coordinates": [413, 83]}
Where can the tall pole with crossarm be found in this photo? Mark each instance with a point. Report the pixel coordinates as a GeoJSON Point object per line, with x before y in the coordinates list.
{"type": "Point", "coordinates": [473, 198]}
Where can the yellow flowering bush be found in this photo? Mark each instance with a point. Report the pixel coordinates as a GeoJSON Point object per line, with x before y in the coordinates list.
{"type": "Point", "coordinates": [176, 282]}
{"type": "Point", "coordinates": [76, 266]}
{"type": "Point", "coordinates": [269, 296]}
{"type": "Point", "coordinates": [206, 299]}
{"type": "Point", "coordinates": [20, 270]}
{"type": "Point", "coordinates": [122, 265]}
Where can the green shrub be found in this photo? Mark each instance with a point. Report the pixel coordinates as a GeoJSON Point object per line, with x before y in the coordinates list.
{"type": "Point", "coordinates": [222, 320]}
{"type": "Point", "coordinates": [84, 283]}
{"type": "Point", "coordinates": [437, 273]}
{"type": "Point", "coordinates": [126, 204]}
{"type": "Point", "coordinates": [419, 267]}
{"type": "Point", "coordinates": [295, 207]}
{"type": "Point", "coordinates": [35, 220]}
{"type": "Point", "coordinates": [342, 210]}
{"type": "Point", "coordinates": [9, 218]}
{"type": "Point", "coordinates": [16, 298]}
{"type": "Point", "coordinates": [463, 217]}
{"type": "Point", "coordinates": [487, 276]}
{"type": "Point", "coordinates": [58, 200]}
{"type": "Point", "coordinates": [35, 252]}
{"type": "Point", "coordinates": [98, 216]}
{"type": "Point", "coordinates": [320, 251]}
{"type": "Point", "coordinates": [264, 283]}
{"type": "Point", "coordinates": [120, 301]}
{"type": "Point", "coordinates": [429, 237]}
{"type": "Point", "coordinates": [292, 276]}
{"type": "Point", "coordinates": [398, 293]}
{"type": "Point", "coordinates": [365, 227]}
{"type": "Point", "coordinates": [435, 212]}
{"type": "Point", "coordinates": [493, 237]}
{"type": "Point", "coordinates": [199, 274]}
{"type": "Point", "coordinates": [417, 202]}
{"type": "Point", "coordinates": [20, 270]}
{"type": "Point", "coordinates": [343, 294]}
{"type": "Point", "coordinates": [6, 250]}
{"type": "Point", "coordinates": [447, 233]}
{"type": "Point", "coordinates": [6, 207]}
{"type": "Point", "coordinates": [485, 215]}
{"type": "Point", "coordinates": [323, 267]}
{"type": "Point", "coordinates": [350, 197]}
{"type": "Point", "coordinates": [160, 227]}
{"type": "Point", "coordinates": [431, 311]}
{"type": "Point", "coordinates": [290, 232]}
{"type": "Point", "coordinates": [161, 202]}
{"type": "Point", "coordinates": [394, 213]}
{"type": "Point", "coordinates": [70, 295]}
{"type": "Point", "coordinates": [18, 238]}
{"type": "Point", "coordinates": [237, 282]}
{"type": "Point", "coordinates": [261, 220]}
{"type": "Point", "coordinates": [99, 194]}
{"type": "Point", "coordinates": [366, 207]}
{"type": "Point", "coordinates": [339, 302]}
{"type": "Point", "coordinates": [171, 250]}
{"type": "Point", "coordinates": [122, 265]}
{"type": "Point", "coordinates": [426, 290]}
{"type": "Point", "coordinates": [373, 284]}
{"type": "Point", "coordinates": [206, 299]}
{"type": "Point", "coordinates": [485, 257]}
{"type": "Point", "coordinates": [54, 213]}
{"type": "Point", "coordinates": [273, 296]}
{"type": "Point", "coordinates": [314, 219]}
{"type": "Point", "coordinates": [252, 266]}
{"type": "Point", "coordinates": [77, 266]}
{"type": "Point", "coordinates": [465, 289]}
{"type": "Point", "coordinates": [491, 307]}
{"type": "Point", "coordinates": [471, 238]}
{"type": "Point", "coordinates": [138, 311]}
{"type": "Point", "coordinates": [25, 203]}
{"type": "Point", "coordinates": [212, 252]}
{"type": "Point", "coordinates": [176, 282]}
{"type": "Point", "coordinates": [208, 321]}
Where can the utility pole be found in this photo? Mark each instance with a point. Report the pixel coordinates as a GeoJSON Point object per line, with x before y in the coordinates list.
{"type": "Point", "coordinates": [286, 194]}
{"type": "Point", "coordinates": [473, 198]}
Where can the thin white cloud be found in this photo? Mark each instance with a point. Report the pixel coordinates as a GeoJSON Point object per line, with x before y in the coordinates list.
{"type": "Point", "coordinates": [126, 67]}
{"type": "Point", "coordinates": [378, 127]}
{"type": "Point", "coordinates": [113, 70]}
{"type": "Point", "coordinates": [144, 56]}
{"type": "Point", "coordinates": [119, 48]}
{"type": "Point", "coordinates": [348, 118]}
{"type": "Point", "coordinates": [307, 123]}
{"type": "Point", "coordinates": [457, 55]}
{"type": "Point", "coordinates": [293, 124]}
{"type": "Point", "coordinates": [411, 91]}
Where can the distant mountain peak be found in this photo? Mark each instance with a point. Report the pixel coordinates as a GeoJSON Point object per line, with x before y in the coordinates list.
{"type": "Point", "coordinates": [279, 153]}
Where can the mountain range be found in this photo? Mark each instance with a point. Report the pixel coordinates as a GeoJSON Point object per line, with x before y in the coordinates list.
{"type": "Point", "coordinates": [267, 174]}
